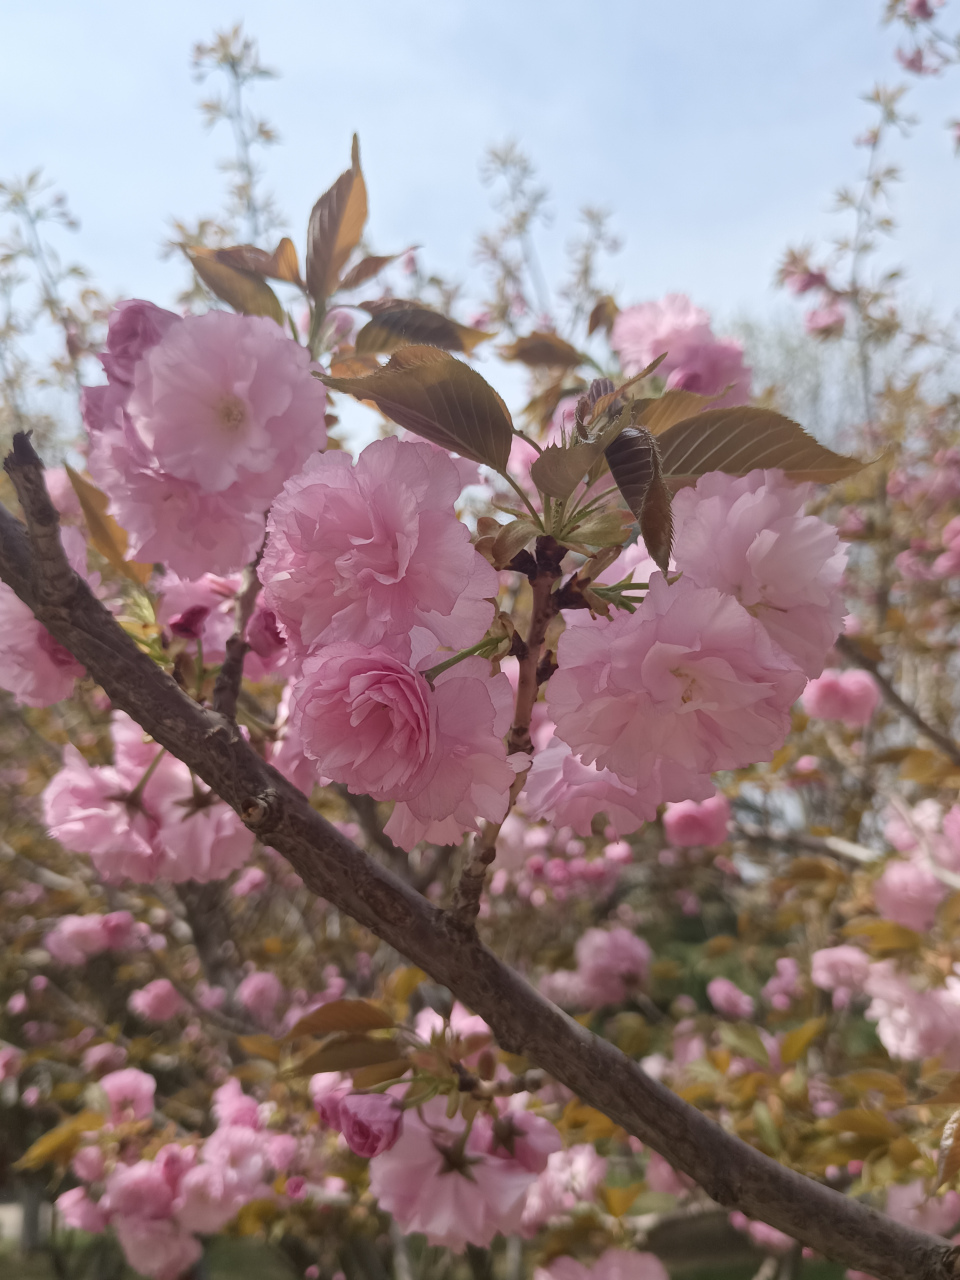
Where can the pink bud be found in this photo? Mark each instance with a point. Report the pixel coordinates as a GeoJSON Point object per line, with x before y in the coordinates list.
{"type": "Point", "coordinates": [370, 1122]}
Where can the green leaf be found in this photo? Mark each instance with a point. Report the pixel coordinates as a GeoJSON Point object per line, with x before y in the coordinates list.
{"type": "Point", "coordinates": [243, 290]}
{"type": "Point", "coordinates": [340, 1015]}
{"type": "Point", "coordinates": [609, 528]}
{"type": "Point", "coordinates": [743, 1039]}
{"type": "Point", "coordinates": [741, 439]}
{"type": "Point", "coordinates": [335, 227]}
{"type": "Point", "coordinates": [440, 398]}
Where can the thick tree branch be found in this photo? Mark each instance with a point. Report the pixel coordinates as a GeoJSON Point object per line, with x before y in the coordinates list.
{"type": "Point", "coordinates": [850, 649]}
{"type": "Point", "coordinates": [522, 1021]}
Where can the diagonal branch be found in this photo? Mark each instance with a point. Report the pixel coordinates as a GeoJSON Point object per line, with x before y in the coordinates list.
{"type": "Point", "coordinates": [523, 1022]}
{"type": "Point", "coordinates": [850, 649]}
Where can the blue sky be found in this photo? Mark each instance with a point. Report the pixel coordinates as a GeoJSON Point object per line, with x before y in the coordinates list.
{"type": "Point", "coordinates": [715, 132]}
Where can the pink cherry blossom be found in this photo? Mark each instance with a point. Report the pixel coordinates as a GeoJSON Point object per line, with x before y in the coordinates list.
{"type": "Point", "coordinates": [842, 970]}
{"type": "Point", "coordinates": [748, 536]}
{"type": "Point", "coordinates": [88, 1164]}
{"type": "Point", "coordinates": [104, 1057]}
{"type": "Point", "coordinates": [129, 1094]}
{"type": "Point", "coordinates": [471, 778]}
{"type": "Point", "coordinates": [207, 1198]}
{"type": "Point", "coordinates": [785, 986]}
{"type": "Point", "coordinates": [33, 666]}
{"type": "Point", "coordinates": [688, 823]}
{"type": "Point", "coordinates": [611, 963]}
{"type": "Point", "coordinates": [566, 792]}
{"type": "Point", "coordinates": [158, 1001]}
{"type": "Point", "coordinates": [826, 321]}
{"type": "Point", "coordinates": [80, 1212]}
{"type": "Point", "coordinates": [158, 1248]}
{"type": "Point", "coordinates": [571, 1177]}
{"type": "Point", "coordinates": [260, 993]}
{"type": "Point", "coordinates": [909, 893]}
{"type": "Point", "coordinates": [252, 880]}
{"type": "Point", "coordinates": [365, 553]}
{"type": "Point", "coordinates": [241, 1151]}
{"type": "Point", "coordinates": [138, 1189]}
{"type": "Point", "coordinates": [851, 696]}
{"type": "Point", "coordinates": [370, 1122]}
{"type": "Point", "coordinates": [911, 1204]}
{"type": "Point", "coordinates": [456, 1195]}
{"type": "Point", "coordinates": [74, 938]}
{"type": "Point", "coordinates": [282, 1150]}
{"type": "Point", "coordinates": [728, 999]}
{"type": "Point", "coordinates": [913, 1024]}
{"type": "Point", "coordinates": [614, 1264]}
{"type": "Point", "coordinates": [688, 684]}
{"type": "Point", "coordinates": [234, 1107]}
{"type": "Point", "coordinates": [696, 359]}
{"type": "Point", "coordinates": [134, 327]}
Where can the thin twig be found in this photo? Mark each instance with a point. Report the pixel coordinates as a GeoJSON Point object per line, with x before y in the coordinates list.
{"type": "Point", "coordinates": [227, 687]}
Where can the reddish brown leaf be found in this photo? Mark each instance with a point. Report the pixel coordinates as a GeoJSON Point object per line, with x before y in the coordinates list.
{"type": "Point", "coordinates": [243, 290]}
{"type": "Point", "coordinates": [395, 327]}
{"type": "Point", "coordinates": [341, 1015]}
{"type": "Point", "coordinates": [542, 348]}
{"type": "Point", "coordinates": [634, 462]}
{"type": "Point", "coordinates": [440, 398]}
{"type": "Point", "coordinates": [282, 264]}
{"type": "Point", "coordinates": [603, 315]}
{"type": "Point", "coordinates": [365, 270]}
{"type": "Point", "coordinates": [335, 227]}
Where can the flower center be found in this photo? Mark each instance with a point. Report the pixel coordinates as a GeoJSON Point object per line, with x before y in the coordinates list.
{"type": "Point", "coordinates": [232, 413]}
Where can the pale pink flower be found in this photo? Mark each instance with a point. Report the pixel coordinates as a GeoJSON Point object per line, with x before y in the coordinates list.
{"type": "Point", "coordinates": [204, 611]}
{"type": "Point", "coordinates": [252, 880]}
{"type": "Point", "coordinates": [728, 999]}
{"type": "Point", "coordinates": [688, 684]}
{"type": "Point", "coordinates": [129, 1093]}
{"type": "Point", "coordinates": [614, 1264]}
{"type": "Point", "coordinates": [472, 776]}
{"type": "Point", "coordinates": [368, 552]}
{"type": "Point", "coordinates": [923, 10]}
{"type": "Point", "coordinates": [455, 1196]}
{"type": "Point", "coordinates": [134, 327]}
{"type": "Point", "coordinates": [688, 823]}
{"type": "Point", "coordinates": [103, 1057]}
{"type": "Point", "coordinates": [571, 1178]}
{"type": "Point", "coordinates": [371, 1123]}
{"type": "Point", "coordinates": [327, 1090]}
{"type": "Point", "coordinates": [80, 1212]}
{"type": "Point", "coordinates": [696, 359]}
{"type": "Point", "coordinates": [912, 1024]}
{"type": "Point", "coordinates": [661, 1176]}
{"type": "Point", "coordinates": [826, 321]}
{"type": "Point", "coordinates": [748, 536]}
{"type": "Point", "coordinates": [784, 986]}
{"type": "Point", "coordinates": [282, 1150]}
{"type": "Point", "coordinates": [260, 993]}
{"type": "Point", "coordinates": [160, 1249]}
{"type": "Point", "coordinates": [11, 1060]}
{"type": "Point", "coordinates": [234, 1107]}
{"type": "Point", "coordinates": [924, 820]}
{"type": "Point", "coordinates": [909, 893]}
{"type": "Point", "coordinates": [73, 939]}
{"type": "Point", "coordinates": [207, 1198]}
{"type": "Point", "coordinates": [242, 1151]}
{"type": "Point", "coordinates": [138, 1189]}
{"type": "Point", "coordinates": [911, 1204]}
{"type": "Point", "coordinates": [842, 970]}
{"type": "Point", "coordinates": [564, 791]}
{"type": "Point", "coordinates": [88, 1164]}
{"type": "Point", "coordinates": [611, 963]}
{"type": "Point", "coordinates": [33, 666]}
{"type": "Point", "coordinates": [158, 1001]}
{"type": "Point", "coordinates": [851, 696]}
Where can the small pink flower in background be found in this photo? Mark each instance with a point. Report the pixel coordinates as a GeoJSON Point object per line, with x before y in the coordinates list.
{"type": "Point", "coordinates": [88, 1164]}
{"type": "Point", "coordinates": [366, 552]}
{"type": "Point", "coordinates": [138, 1189]}
{"type": "Point", "coordinates": [923, 10]}
{"type": "Point", "coordinates": [851, 696]}
{"type": "Point", "coordinates": [696, 359]}
{"type": "Point", "coordinates": [611, 963]}
{"type": "Point", "coordinates": [827, 321]}
{"type": "Point", "coordinates": [74, 939]}
{"type": "Point", "coordinates": [842, 970]}
{"type": "Point", "coordinates": [30, 1096]}
{"type": "Point", "coordinates": [231, 1106]}
{"type": "Point", "coordinates": [614, 1264]}
{"type": "Point", "coordinates": [104, 1057]}
{"type": "Point", "coordinates": [282, 1149]}
{"type": "Point", "coordinates": [727, 998]}
{"type": "Point", "coordinates": [688, 823]}
{"type": "Point", "coordinates": [909, 894]}
{"type": "Point", "coordinates": [252, 880]}
{"type": "Point", "coordinates": [572, 1177]}
{"type": "Point", "coordinates": [688, 684]}
{"type": "Point", "coordinates": [913, 1024]}
{"type": "Point", "coordinates": [748, 536]}
{"type": "Point", "coordinates": [566, 792]}
{"type": "Point", "coordinates": [661, 1176]}
{"type": "Point", "coordinates": [260, 993]}
{"type": "Point", "coordinates": [158, 1248]}
{"type": "Point", "coordinates": [762, 1234]}
{"type": "Point", "coordinates": [911, 1204]}
{"type": "Point", "coordinates": [17, 1004]}
{"type": "Point", "coordinates": [158, 1001]}
{"type": "Point", "coordinates": [785, 986]}
{"type": "Point", "coordinates": [800, 281]}
{"type": "Point", "coordinates": [80, 1212]}
{"type": "Point", "coordinates": [370, 1122]}
{"type": "Point", "coordinates": [129, 1093]}
{"type": "Point", "coordinates": [207, 1198]}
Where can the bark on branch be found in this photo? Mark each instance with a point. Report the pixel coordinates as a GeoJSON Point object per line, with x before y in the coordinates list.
{"type": "Point", "coordinates": [734, 1174]}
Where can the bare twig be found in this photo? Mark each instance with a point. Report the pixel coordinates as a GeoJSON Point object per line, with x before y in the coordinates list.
{"type": "Point", "coordinates": [523, 1022]}
{"type": "Point", "coordinates": [941, 740]}
{"type": "Point", "coordinates": [227, 688]}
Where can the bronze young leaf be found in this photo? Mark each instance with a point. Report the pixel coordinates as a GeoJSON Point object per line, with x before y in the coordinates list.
{"type": "Point", "coordinates": [366, 269]}
{"type": "Point", "coordinates": [440, 398]}
{"type": "Point", "coordinates": [335, 227]}
{"type": "Point", "coordinates": [635, 464]}
{"type": "Point", "coordinates": [282, 264]}
{"type": "Point", "coordinates": [395, 327]}
{"type": "Point", "coordinates": [545, 349]}
{"type": "Point", "coordinates": [741, 439]}
{"type": "Point", "coordinates": [245, 291]}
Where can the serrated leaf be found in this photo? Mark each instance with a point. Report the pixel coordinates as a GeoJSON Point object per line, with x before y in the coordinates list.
{"type": "Point", "coordinates": [365, 270]}
{"type": "Point", "coordinates": [282, 264]}
{"type": "Point", "coordinates": [864, 1123]}
{"type": "Point", "coordinates": [672, 407]}
{"type": "Point", "coordinates": [542, 349]}
{"type": "Point", "coordinates": [742, 439]}
{"type": "Point", "coordinates": [397, 327]}
{"type": "Point", "coordinates": [635, 464]}
{"type": "Point", "coordinates": [335, 227]}
{"type": "Point", "coordinates": [440, 398]}
{"type": "Point", "coordinates": [260, 1046]}
{"type": "Point", "coordinates": [245, 292]}
{"type": "Point", "coordinates": [798, 1041]}
{"type": "Point", "coordinates": [347, 1052]}
{"type": "Point", "coordinates": [340, 1015]}
{"type": "Point", "coordinates": [60, 1144]}
{"type": "Point", "coordinates": [743, 1039]}
{"type": "Point", "coordinates": [106, 535]}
